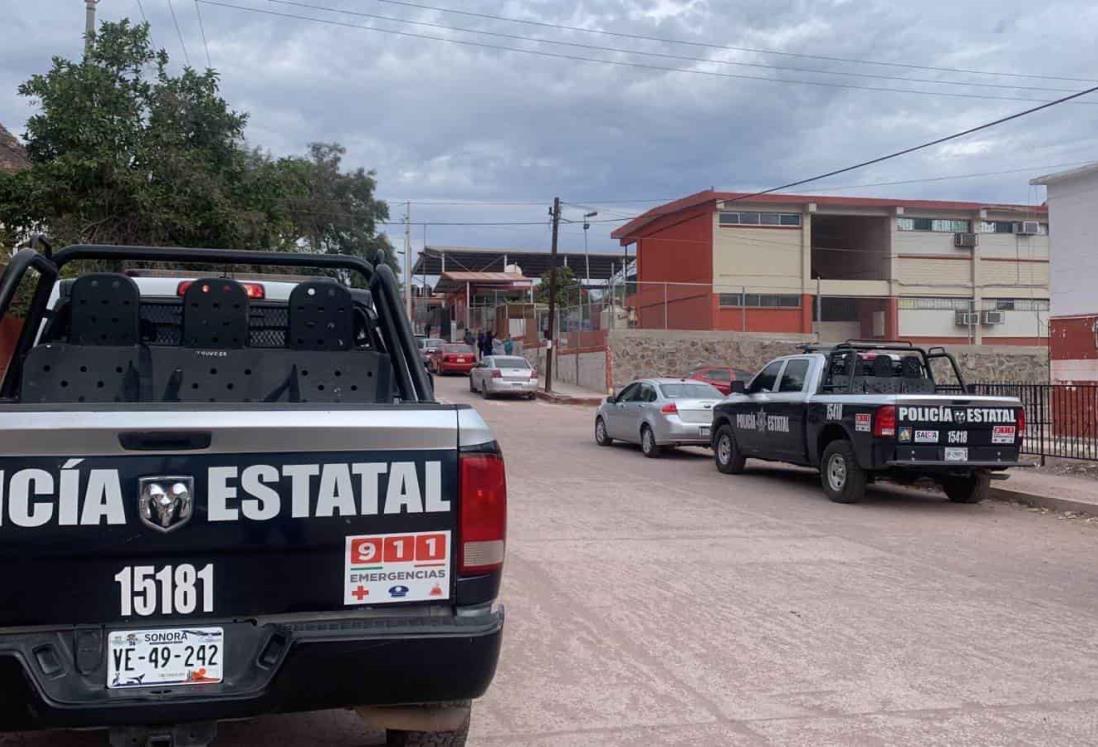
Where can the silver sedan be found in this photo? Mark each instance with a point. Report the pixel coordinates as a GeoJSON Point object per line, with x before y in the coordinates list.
{"type": "Point", "coordinates": [657, 413]}
{"type": "Point", "coordinates": [503, 374]}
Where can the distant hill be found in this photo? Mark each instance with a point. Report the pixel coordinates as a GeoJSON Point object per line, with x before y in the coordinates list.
{"type": "Point", "coordinates": [13, 156]}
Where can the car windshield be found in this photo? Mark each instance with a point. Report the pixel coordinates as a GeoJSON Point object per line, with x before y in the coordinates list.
{"type": "Point", "coordinates": [689, 391]}
{"type": "Point", "coordinates": [456, 348]}
{"type": "Point", "coordinates": [511, 362]}
{"type": "Point", "coordinates": [433, 342]}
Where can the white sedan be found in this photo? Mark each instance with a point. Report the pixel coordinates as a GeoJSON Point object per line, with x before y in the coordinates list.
{"type": "Point", "coordinates": [503, 374]}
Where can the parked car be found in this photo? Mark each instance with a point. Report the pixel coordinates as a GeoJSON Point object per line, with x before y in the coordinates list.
{"type": "Point", "coordinates": [453, 357]}
{"type": "Point", "coordinates": [429, 346]}
{"type": "Point", "coordinates": [658, 412]}
{"type": "Point", "coordinates": [720, 377]}
{"type": "Point", "coordinates": [504, 374]}
{"type": "Point", "coordinates": [858, 411]}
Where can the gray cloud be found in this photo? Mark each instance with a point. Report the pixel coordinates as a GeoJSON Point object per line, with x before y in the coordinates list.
{"type": "Point", "coordinates": [440, 121]}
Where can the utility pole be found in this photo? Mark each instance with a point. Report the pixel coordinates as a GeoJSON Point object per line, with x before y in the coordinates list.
{"type": "Point", "coordinates": [550, 352]}
{"type": "Point", "coordinates": [408, 261]}
{"type": "Point", "coordinates": [89, 24]}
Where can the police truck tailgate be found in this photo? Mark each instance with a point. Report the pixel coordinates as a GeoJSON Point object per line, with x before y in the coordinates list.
{"type": "Point", "coordinates": [977, 430]}
{"type": "Point", "coordinates": [231, 512]}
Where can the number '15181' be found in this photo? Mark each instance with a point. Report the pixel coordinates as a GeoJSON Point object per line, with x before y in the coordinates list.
{"type": "Point", "coordinates": [178, 589]}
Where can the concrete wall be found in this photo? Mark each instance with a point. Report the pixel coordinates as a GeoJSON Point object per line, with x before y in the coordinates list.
{"type": "Point", "coordinates": [587, 370]}
{"type": "Point", "coordinates": [636, 353]}
{"type": "Point", "coordinates": [1074, 237]}
{"type": "Point", "coordinates": [939, 323]}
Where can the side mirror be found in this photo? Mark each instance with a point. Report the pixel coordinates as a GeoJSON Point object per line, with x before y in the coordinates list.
{"type": "Point", "coordinates": [738, 387]}
{"type": "Point", "coordinates": [609, 400]}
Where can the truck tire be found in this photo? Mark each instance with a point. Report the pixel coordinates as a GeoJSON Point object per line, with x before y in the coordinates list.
{"type": "Point", "coordinates": [649, 447]}
{"type": "Point", "coordinates": [971, 488]}
{"type": "Point", "coordinates": [397, 738]}
{"type": "Point", "coordinates": [726, 453]}
{"type": "Point", "coordinates": [843, 480]}
{"type": "Point", "coordinates": [601, 437]}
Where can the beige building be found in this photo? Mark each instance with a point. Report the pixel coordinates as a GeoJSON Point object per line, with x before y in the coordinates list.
{"type": "Point", "coordinates": [923, 270]}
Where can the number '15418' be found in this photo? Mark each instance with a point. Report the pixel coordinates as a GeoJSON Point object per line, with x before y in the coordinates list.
{"type": "Point", "coordinates": [168, 590]}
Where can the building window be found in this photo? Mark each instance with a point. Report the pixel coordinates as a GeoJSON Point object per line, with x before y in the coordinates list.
{"type": "Point", "coordinates": [761, 300]}
{"type": "Point", "coordinates": [753, 218]}
{"type": "Point", "coordinates": [1008, 226]}
{"type": "Point", "coordinates": [936, 304]}
{"type": "Point", "coordinates": [1017, 304]}
{"type": "Point", "coordinates": [942, 225]}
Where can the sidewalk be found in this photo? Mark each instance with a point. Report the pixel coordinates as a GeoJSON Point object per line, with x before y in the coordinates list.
{"type": "Point", "coordinates": [1044, 490]}
{"type": "Point", "coordinates": [570, 394]}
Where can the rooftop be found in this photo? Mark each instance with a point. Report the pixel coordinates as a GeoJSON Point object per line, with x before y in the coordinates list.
{"type": "Point", "coordinates": [13, 156]}
{"type": "Point", "coordinates": [533, 263]}
{"type": "Point", "coordinates": [1090, 168]}
{"type": "Point", "coordinates": [628, 233]}
{"type": "Point", "coordinates": [450, 281]}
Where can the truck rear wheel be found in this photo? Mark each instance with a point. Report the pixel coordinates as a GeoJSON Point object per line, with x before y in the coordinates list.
{"type": "Point", "coordinates": [971, 488]}
{"type": "Point", "coordinates": [730, 460]}
{"type": "Point", "coordinates": [843, 480]}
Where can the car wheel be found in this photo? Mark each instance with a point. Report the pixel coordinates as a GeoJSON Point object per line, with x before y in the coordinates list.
{"type": "Point", "coordinates": [967, 488]}
{"type": "Point", "coordinates": [484, 392]}
{"type": "Point", "coordinates": [471, 387]}
{"type": "Point", "coordinates": [726, 453]}
{"type": "Point", "coordinates": [602, 438]}
{"type": "Point", "coordinates": [649, 447]}
{"type": "Point", "coordinates": [843, 480]}
{"type": "Point", "coordinates": [398, 738]}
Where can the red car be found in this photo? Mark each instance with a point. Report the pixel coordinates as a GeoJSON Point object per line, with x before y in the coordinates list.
{"type": "Point", "coordinates": [454, 357]}
{"type": "Point", "coordinates": [720, 377]}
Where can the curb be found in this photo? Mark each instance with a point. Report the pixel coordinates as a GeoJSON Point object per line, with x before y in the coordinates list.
{"type": "Point", "coordinates": [1065, 505]}
{"type": "Point", "coordinates": [566, 399]}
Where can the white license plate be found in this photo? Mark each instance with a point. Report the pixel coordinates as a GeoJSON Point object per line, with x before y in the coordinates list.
{"type": "Point", "coordinates": [703, 430]}
{"type": "Point", "coordinates": [956, 455]}
{"type": "Point", "coordinates": [166, 656]}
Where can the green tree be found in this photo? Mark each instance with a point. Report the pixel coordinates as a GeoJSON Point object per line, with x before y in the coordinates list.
{"type": "Point", "coordinates": [124, 152]}
{"type": "Point", "coordinates": [569, 290]}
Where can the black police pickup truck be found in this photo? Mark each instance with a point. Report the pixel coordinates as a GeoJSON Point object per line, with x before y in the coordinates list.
{"type": "Point", "coordinates": [858, 411]}
{"type": "Point", "coordinates": [223, 498]}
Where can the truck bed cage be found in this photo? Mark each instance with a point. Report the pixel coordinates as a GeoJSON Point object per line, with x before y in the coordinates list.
{"type": "Point", "coordinates": [411, 379]}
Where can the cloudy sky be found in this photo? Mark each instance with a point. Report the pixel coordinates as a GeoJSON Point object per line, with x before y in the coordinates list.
{"type": "Point", "coordinates": [476, 134]}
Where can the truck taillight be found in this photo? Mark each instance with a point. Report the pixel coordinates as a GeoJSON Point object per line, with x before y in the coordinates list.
{"type": "Point", "coordinates": [1020, 422]}
{"type": "Point", "coordinates": [669, 409]}
{"type": "Point", "coordinates": [884, 422]}
{"type": "Point", "coordinates": [482, 524]}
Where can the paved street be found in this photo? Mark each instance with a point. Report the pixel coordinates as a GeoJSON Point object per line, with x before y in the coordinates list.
{"type": "Point", "coordinates": [659, 602]}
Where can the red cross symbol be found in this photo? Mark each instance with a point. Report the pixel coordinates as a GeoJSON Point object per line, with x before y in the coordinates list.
{"type": "Point", "coordinates": [360, 593]}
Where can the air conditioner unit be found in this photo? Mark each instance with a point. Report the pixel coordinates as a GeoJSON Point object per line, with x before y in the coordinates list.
{"type": "Point", "coordinates": [966, 318]}
{"type": "Point", "coordinates": [992, 317]}
{"type": "Point", "coordinates": [1028, 228]}
{"type": "Point", "coordinates": [964, 240]}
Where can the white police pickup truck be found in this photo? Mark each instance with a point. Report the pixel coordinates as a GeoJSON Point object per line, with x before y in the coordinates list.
{"type": "Point", "coordinates": [220, 499]}
{"type": "Point", "coordinates": [858, 411]}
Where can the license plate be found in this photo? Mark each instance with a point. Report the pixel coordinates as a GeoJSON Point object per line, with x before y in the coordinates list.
{"type": "Point", "coordinates": [956, 455]}
{"type": "Point", "coordinates": [703, 430]}
{"type": "Point", "coordinates": [165, 656]}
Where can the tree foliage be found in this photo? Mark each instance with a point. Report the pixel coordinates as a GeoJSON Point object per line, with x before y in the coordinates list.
{"type": "Point", "coordinates": [122, 151]}
{"type": "Point", "coordinates": [569, 288]}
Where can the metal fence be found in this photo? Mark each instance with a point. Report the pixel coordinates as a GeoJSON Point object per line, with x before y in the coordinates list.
{"type": "Point", "coordinates": [1061, 419]}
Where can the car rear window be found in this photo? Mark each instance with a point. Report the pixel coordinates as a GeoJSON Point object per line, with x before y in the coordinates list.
{"type": "Point", "coordinates": [689, 391]}
{"type": "Point", "coordinates": [719, 374]}
{"type": "Point", "coordinates": [456, 349]}
{"type": "Point", "coordinates": [512, 362]}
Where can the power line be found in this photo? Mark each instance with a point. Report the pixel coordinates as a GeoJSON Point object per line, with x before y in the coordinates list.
{"type": "Point", "coordinates": [962, 176]}
{"type": "Point", "coordinates": [617, 63]}
{"type": "Point", "coordinates": [664, 55]}
{"type": "Point", "coordinates": [141, 9]}
{"type": "Point", "coordinates": [179, 32]}
{"type": "Point", "coordinates": [666, 40]}
{"type": "Point", "coordinates": [202, 28]}
{"type": "Point", "coordinates": [922, 146]}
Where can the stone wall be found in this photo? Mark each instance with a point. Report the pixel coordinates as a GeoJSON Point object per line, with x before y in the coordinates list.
{"type": "Point", "coordinates": [586, 370]}
{"type": "Point", "coordinates": [635, 353]}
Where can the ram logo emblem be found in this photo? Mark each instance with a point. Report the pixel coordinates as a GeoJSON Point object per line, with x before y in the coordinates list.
{"type": "Point", "coordinates": [165, 503]}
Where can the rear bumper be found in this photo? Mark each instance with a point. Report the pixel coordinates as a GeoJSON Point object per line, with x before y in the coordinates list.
{"type": "Point", "coordinates": [461, 368]}
{"type": "Point", "coordinates": [503, 386]}
{"type": "Point", "coordinates": [285, 665]}
{"type": "Point", "coordinates": [667, 431]}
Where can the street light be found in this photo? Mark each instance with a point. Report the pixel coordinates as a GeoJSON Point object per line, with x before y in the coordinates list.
{"type": "Point", "coordinates": [586, 258]}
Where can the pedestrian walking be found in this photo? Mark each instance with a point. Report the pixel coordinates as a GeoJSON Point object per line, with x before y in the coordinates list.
{"type": "Point", "coordinates": [469, 339]}
{"type": "Point", "coordinates": [508, 345]}
{"type": "Point", "coordinates": [489, 343]}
